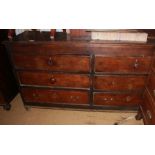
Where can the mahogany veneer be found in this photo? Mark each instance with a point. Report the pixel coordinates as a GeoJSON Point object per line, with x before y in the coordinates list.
{"type": "Point", "coordinates": [119, 83]}
{"type": "Point", "coordinates": [55, 96]}
{"type": "Point", "coordinates": [84, 74]}
{"type": "Point", "coordinates": [122, 64]}
{"type": "Point", "coordinates": [54, 79]}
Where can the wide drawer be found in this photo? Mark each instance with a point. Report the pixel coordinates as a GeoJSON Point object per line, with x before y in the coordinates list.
{"type": "Point", "coordinates": [69, 63]}
{"type": "Point", "coordinates": [119, 82]}
{"type": "Point", "coordinates": [117, 99]}
{"type": "Point", "coordinates": [151, 85]}
{"type": "Point", "coordinates": [122, 64]}
{"type": "Point", "coordinates": [147, 108]}
{"type": "Point", "coordinates": [55, 96]}
{"type": "Point", "coordinates": [54, 79]}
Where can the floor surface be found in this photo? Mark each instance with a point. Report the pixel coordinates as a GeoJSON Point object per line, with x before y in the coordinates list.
{"type": "Point", "coordinates": [38, 116]}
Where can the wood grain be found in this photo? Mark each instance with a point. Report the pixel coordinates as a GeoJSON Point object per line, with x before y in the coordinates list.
{"type": "Point", "coordinates": [122, 64]}
{"type": "Point", "coordinates": [119, 83]}
{"type": "Point", "coordinates": [117, 99]}
{"type": "Point", "coordinates": [54, 79]}
{"type": "Point", "coordinates": [68, 63]}
{"type": "Point", "coordinates": [55, 96]}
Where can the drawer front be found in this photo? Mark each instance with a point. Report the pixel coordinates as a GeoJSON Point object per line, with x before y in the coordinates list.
{"type": "Point", "coordinates": [122, 64]}
{"type": "Point", "coordinates": [55, 96]}
{"type": "Point", "coordinates": [151, 85]}
{"type": "Point", "coordinates": [50, 48]}
{"type": "Point", "coordinates": [115, 99]}
{"type": "Point", "coordinates": [148, 109]}
{"type": "Point", "coordinates": [54, 79]}
{"type": "Point", "coordinates": [70, 63]}
{"type": "Point", "coordinates": [120, 83]}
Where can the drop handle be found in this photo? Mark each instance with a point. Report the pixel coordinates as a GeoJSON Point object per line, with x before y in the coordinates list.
{"type": "Point", "coordinates": [128, 99]}
{"type": "Point", "coordinates": [113, 83]}
{"type": "Point", "coordinates": [34, 95]}
{"type": "Point", "coordinates": [136, 64]}
{"type": "Point", "coordinates": [74, 98]}
{"type": "Point", "coordinates": [149, 114]}
{"type": "Point", "coordinates": [50, 62]}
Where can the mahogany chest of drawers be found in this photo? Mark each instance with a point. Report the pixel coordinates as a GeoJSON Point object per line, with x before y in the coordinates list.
{"type": "Point", "coordinates": [82, 74]}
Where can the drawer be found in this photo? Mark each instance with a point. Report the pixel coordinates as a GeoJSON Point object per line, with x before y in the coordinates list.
{"type": "Point", "coordinates": [55, 96]}
{"type": "Point", "coordinates": [69, 63]}
{"type": "Point", "coordinates": [148, 109]}
{"type": "Point", "coordinates": [54, 79]}
{"type": "Point", "coordinates": [122, 64]}
{"type": "Point", "coordinates": [151, 85]}
{"type": "Point", "coordinates": [117, 99]}
{"type": "Point", "coordinates": [119, 82]}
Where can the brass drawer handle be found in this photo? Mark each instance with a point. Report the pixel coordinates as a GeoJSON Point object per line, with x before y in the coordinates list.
{"type": "Point", "coordinates": [50, 62]}
{"type": "Point", "coordinates": [74, 98]}
{"type": "Point", "coordinates": [108, 99]}
{"type": "Point", "coordinates": [136, 64]}
{"type": "Point", "coordinates": [149, 114]}
{"type": "Point", "coordinates": [34, 95]}
{"type": "Point", "coordinates": [128, 98]}
{"type": "Point", "coordinates": [113, 83]}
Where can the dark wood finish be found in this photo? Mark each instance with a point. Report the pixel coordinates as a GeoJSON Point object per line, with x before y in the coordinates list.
{"type": "Point", "coordinates": [68, 63]}
{"type": "Point", "coordinates": [50, 48]}
{"type": "Point", "coordinates": [117, 99]}
{"type": "Point", "coordinates": [148, 110]}
{"type": "Point", "coordinates": [92, 74]}
{"type": "Point", "coordinates": [151, 85]}
{"type": "Point", "coordinates": [122, 64]}
{"type": "Point", "coordinates": [55, 96]}
{"type": "Point", "coordinates": [79, 34]}
{"type": "Point", "coordinates": [119, 83]}
{"type": "Point", "coordinates": [117, 49]}
{"type": "Point", "coordinates": [54, 79]}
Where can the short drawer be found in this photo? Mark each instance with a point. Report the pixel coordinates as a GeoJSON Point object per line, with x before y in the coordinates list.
{"type": "Point", "coordinates": [55, 96]}
{"type": "Point", "coordinates": [69, 63]}
{"type": "Point", "coordinates": [117, 99]}
{"type": "Point", "coordinates": [119, 82]}
{"type": "Point", "coordinates": [122, 64]}
{"type": "Point", "coordinates": [54, 79]}
{"type": "Point", "coordinates": [147, 108]}
{"type": "Point", "coordinates": [151, 85]}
